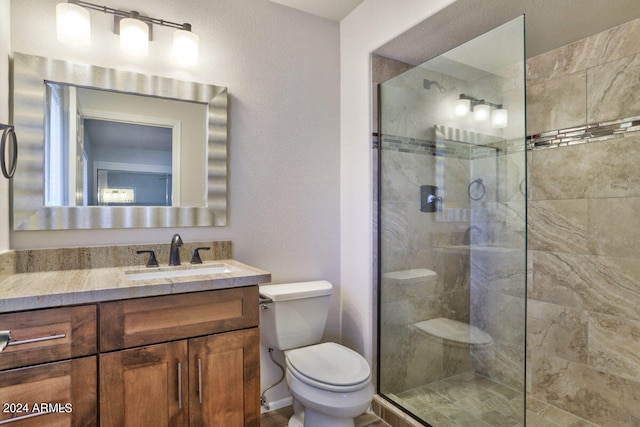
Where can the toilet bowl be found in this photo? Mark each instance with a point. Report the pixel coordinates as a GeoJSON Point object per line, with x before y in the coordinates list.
{"type": "Point", "coordinates": [330, 383]}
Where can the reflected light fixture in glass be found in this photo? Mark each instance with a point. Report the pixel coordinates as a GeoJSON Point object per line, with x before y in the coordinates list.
{"type": "Point", "coordinates": [462, 107]}
{"type": "Point", "coordinates": [73, 24]}
{"type": "Point", "coordinates": [481, 112]}
{"type": "Point", "coordinates": [499, 118]}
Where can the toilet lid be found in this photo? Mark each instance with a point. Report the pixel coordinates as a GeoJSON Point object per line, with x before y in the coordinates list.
{"type": "Point", "coordinates": [330, 364]}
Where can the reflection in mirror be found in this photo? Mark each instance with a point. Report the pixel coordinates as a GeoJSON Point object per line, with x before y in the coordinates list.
{"type": "Point", "coordinates": [106, 148]}
{"type": "Point", "coordinates": [130, 163]}
{"type": "Point", "coordinates": [89, 130]}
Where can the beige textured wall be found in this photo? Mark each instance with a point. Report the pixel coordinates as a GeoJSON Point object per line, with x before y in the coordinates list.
{"type": "Point", "coordinates": [584, 238]}
{"type": "Point", "coordinates": [5, 48]}
{"type": "Point", "coordinates": [282, 69]}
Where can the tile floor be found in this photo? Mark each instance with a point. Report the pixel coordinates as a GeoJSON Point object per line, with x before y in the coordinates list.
{"type": "Point", "coordinates": [280, 418]}
{"type": "Point", "coordinates": [461, 401]}
{"type": "Point", "coordinates": [472, 400]}
{"type": "Point", "coordinates": [464, 400]}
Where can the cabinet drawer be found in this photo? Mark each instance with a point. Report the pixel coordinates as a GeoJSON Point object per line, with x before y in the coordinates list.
{"type": "Point", "coordinates": [41, 336]}
{"type": "Point", "coordinates": [136, 322]}
{"type": "Point", "coordinates": [60, 394]}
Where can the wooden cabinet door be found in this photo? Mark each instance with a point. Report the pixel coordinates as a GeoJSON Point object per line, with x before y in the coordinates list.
{"type": "Point", "coordinates": [145, 387]}
{"type": "Point", "coordinates": [60, 394]}
{"type": "Point", "coordinates": [224, 379]}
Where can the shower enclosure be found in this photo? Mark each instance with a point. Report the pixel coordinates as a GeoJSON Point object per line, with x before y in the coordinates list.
{"type": "Point", "coordinates": [452, 232]}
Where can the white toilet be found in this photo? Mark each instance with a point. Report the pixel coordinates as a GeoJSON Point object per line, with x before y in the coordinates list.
{"type": "Point", "coordinates": [330, 383]}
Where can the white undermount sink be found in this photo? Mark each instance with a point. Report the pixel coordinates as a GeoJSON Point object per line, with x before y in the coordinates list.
{"type": "Point", "coordinates": [178, 271]}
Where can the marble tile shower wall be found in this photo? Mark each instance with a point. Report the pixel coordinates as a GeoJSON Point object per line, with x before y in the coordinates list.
{"type": "Point", "coordinates": [584, 233]}
{"type": "Point", "coordinates": [407, 236]}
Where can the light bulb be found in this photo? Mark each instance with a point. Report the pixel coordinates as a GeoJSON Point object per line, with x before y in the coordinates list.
{"type": "Point", "coordinates": [185, 46]}
{"type": "Point", "coordinates": [462, 107]}
{"type": "Point", "coordinates": [481, 112]}
{"type": "Point", "coordinates": [134, 36]}
{"type": "Point", "coordinates": [499, 118]}
{"type": "Point", "coordinates": [73, 24]}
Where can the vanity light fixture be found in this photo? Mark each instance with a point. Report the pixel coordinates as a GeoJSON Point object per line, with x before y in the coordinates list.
{"type": "Point", "coordinates": [73, 24]}
{"type": "Point", "coordinates": [185, 46]}
{"type": "Point", "coordinates": [135, 30]}
{"type": "Point", "coordinates": [499, 118]}
{"type": "Point", "coordinates": [462, 107]}
{"type": "Point", "coordinates": [482, 110]}
{"type": "Point", "coordinates": [134, 35]}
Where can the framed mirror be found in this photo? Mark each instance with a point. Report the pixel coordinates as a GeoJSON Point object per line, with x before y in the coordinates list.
{"type": "Point", "coordinates": [105, 148]}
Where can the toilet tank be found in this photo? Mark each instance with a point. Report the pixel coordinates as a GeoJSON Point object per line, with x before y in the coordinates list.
{"type": "Point", "coordinates": [297, 315]}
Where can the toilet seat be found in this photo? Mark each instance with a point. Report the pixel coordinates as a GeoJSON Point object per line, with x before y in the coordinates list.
{"type": "Point", "coordinates": [329, 366]}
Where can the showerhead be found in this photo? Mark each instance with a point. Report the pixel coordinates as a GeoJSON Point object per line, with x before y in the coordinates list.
{"type": "Point", "coordinates": [428, 83]}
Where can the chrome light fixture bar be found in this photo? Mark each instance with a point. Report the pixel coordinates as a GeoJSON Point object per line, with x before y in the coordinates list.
{"type": "Point", "coordinates": [135, 30]}
{"type": "Point", "coordinates": [482, 110]}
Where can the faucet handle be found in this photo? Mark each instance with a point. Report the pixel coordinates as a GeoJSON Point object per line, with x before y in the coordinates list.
{"type": "Point", "coordinates": [152, 262]}
{"type": "Point", "coordinates": [195, 259]}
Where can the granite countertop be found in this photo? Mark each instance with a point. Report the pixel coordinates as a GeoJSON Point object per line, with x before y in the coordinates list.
{"type": "Point", "coordinates": [27, 291]}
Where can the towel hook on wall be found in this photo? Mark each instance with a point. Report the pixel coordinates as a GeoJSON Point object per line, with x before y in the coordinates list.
{"type": "Point", "coordinates": [8, 133]}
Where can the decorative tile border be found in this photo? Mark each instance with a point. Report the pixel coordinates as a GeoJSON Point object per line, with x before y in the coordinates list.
{"type": "Point", "coordinates": [404, 144]}
{"type": "Point", "coordinates": [450, 142]}
{"type": "Point", "coordinates": [439, 148]}
{"type": "Point", "coordinates": [583, 134]}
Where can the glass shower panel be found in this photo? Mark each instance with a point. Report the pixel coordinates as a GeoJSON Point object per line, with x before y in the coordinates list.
{"type": "Point", "coordinates": [453, 234]}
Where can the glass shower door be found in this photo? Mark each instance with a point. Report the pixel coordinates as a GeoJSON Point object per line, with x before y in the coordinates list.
{"type": "Point", "coordinates": [452, 294]}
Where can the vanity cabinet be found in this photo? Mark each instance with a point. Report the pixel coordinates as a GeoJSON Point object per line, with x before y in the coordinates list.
{"type": "Point", "coordinates": [189, 359]}
{"type": "Point", "coordinates": [181, 360]}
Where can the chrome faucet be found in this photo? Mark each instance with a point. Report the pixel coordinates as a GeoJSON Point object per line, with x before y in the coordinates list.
{"type": "Point", "coordinates": [174, 252]}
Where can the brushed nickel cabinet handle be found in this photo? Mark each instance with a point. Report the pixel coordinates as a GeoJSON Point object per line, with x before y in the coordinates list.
{"type": "Point", "coordinates": [200, 380]}
{"type": "Point", "coordinates": [39, 339]}
{"type": "Point", "coordinates": [179, 385]}
{"type": "Point", "coordinates": [5, 337]}
{"type": "Point", "coordinates": [24, 417]}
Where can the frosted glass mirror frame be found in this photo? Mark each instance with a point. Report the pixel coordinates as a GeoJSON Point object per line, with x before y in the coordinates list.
{"type": "Point", "coordinates": [29, 98]}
